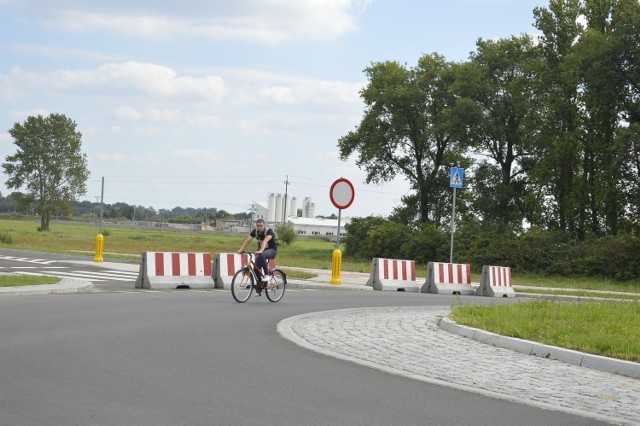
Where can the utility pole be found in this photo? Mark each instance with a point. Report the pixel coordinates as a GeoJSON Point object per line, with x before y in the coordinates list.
{"type": "Point", "coordinates": [284, 211]}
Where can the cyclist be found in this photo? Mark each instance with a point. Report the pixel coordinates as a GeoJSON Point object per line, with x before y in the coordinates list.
{"type": "Point", "coordinates": [267, 249]}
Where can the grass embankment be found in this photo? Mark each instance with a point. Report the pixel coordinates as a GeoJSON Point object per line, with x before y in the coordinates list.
{"type": "Point", "coordinates": [607, 328]}
{"type": "Point", "coordinates": [18, 280]}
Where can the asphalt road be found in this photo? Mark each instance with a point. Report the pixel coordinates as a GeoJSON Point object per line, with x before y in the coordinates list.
{"type": "Point", "coordinates": [199, 358]}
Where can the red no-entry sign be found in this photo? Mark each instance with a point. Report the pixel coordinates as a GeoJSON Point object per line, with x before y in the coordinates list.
{"type": "Point", "coordinates": [342, 193]}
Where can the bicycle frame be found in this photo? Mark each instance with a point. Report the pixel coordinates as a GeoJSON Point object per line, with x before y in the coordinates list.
{"type": "Point", "coordinates": [247, 277]}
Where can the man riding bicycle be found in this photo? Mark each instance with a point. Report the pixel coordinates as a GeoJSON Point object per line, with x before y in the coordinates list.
{"type": "Point", "coordinates": [267, 248]}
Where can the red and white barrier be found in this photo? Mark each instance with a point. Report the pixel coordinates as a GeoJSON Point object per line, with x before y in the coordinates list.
{"type": "Point", "coordinates": [393, 274]}
{"type": "Point", "coordinates": [448, 278]}
{"type": "Point", "coordinates": [227, 264]}
{"type": "Point", "coordinates": [167, 270]}
{"type": "Point", "coordinates": [495, 282]}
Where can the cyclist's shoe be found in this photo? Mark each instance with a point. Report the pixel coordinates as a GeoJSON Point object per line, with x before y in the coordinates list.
{"type": "Point", "coordinates": [265, 279]}
{"type": "Point", "coordinates": [258, 290]}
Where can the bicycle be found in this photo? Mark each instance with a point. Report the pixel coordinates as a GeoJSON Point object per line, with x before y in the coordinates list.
{"type": "Point", "coordinates": [246, 278]}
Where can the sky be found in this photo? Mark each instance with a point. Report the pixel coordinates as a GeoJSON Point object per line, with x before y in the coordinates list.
{"type": "Point", "coordinates": [216, 104]}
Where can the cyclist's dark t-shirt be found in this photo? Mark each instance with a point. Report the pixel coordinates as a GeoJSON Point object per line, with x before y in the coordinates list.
{"type": "Point", "coordinates": [272, 242]}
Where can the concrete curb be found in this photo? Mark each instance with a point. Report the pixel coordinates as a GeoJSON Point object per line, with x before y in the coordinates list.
{"type": "Point", "coordinates": [66, 286]}
{"type": "Point", "coordinates": [301, 284]}
{"type": "Point", "coordinates": [595, 362]}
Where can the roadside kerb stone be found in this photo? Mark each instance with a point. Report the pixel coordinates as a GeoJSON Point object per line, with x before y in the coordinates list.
{"type": "Point", "coordinates": [408, 341]}
{"type": "Point", "coordinates": [304, 284]}
{"type": "Point", "coordinates": [65, 286]}
{"type": "Point", "coordinates": [596, 362]}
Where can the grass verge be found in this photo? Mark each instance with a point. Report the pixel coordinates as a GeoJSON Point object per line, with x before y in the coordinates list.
{"type": "Point", "coordinates": [606, 328]}
{"type": "Point", "coordinates": [580, 293]}
{"type": "Point", "coordinates": [21, 280]}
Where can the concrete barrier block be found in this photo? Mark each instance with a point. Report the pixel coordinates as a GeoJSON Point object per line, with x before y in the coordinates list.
{"type": "Point", "coordinates": [495, 281]}
{"type": "Point", "coordinates": [393, 275]}
{"type": "Point", "coordinates": [448, 278]}
{"type": "Point", "coordinates": [170, 270]}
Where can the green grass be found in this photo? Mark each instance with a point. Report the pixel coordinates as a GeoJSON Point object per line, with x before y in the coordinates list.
{"type": "Point", "coordinates": [20, 280]}
{"type": "Point", "coordinates": [580, 293]}
{"type": "Point", "coordinates": [585, 283]}
{"type": "Point", "coordinates": [608, 328]}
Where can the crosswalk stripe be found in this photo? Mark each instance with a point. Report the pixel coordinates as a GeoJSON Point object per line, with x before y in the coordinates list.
{"type": "Point", "coordinates": [38, 267]}
{"type": "Point", "coordinates": [58, 274]}
{"type": "Point", "coordinates": [23, 259]}
{"type": "Point", "coordinates": [86, 275]}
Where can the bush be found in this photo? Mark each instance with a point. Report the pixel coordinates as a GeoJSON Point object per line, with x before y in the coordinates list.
{"type": "Point", "coordinates": [356, 241]}
{"type": "Point", "coordinates": [542, 251]}
{"type": "Point", "coordinates": [5, 238]}
{"type": "Point", "coordinates": [428, 244]}
{"type": "Point", "coordinates": [387, 240]}
{"type": "Point", "coordinates": [286, 233]}
{"type": "Point", "coordinates": [614, 257]}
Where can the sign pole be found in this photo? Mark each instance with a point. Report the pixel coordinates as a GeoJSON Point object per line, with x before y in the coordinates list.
{"type": "Point", "coordinates": [453, 224]}
{"type": "Point", "coordinates": [341, 195]}
{"type": "Point", "coordinates": [338, 239]}
{"type": "Point", "coordinates": [456, 180]}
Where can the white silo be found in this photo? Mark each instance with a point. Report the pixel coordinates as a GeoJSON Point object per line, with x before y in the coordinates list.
{"type": "Point", "coordinates": [271, 212]}
{"type": "Point", "coordinates": [279, 202]}
{"type": "Point", "coordinates": [312, 210]}
{"type": "Point", "coordinates": [293, 207]}
{"type": "Point", "coordinates": [305, 207]}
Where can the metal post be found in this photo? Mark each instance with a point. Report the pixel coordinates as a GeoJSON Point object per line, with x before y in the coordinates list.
{"type": "Point", "coordinates": [453, 223]}
{"type": "Point", "coordinates": [338, 239]}
{"type": "Point", "coordinates": [101, 204]}
{"type": "Point", "coordinates": [284, 211]}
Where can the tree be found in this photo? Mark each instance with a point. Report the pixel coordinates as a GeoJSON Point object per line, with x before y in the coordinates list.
{"type": "Point", "coordinates": [502, 119]}
{"type": "Point", "coordinates": [48, 164]}
{"type": "Point", "coordinates": [407, 130]}
{"type": "Point", "coordinates": [556, 172]}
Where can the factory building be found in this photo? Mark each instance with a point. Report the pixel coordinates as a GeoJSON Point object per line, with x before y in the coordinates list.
{"type": "Point", "coordinates": [282, 209]}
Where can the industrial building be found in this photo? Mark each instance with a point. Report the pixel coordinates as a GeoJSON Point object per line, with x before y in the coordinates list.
{"type": "Point", "coordinates": [282, 209]}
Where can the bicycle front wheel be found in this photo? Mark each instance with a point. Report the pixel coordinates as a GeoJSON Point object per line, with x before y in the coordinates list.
{"type": "Point", "coordinates": [276, 285]}
{"type": "Point", "coordinates": [242, 285]}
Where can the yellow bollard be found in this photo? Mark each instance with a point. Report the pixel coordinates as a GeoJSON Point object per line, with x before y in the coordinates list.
{"type": "Point", "coordinates": [99, 248]}
{"type": "Point", "coordinates": [336, 265]}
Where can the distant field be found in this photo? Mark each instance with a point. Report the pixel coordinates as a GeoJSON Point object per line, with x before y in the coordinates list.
{"type": "Point", "coordinates": [129, 243]}
{"type": "Point", "coordinates": [304, 252]}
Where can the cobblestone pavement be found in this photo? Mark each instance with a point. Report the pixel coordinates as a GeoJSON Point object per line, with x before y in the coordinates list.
{"type": "Point", "coordinates": [408, 341]}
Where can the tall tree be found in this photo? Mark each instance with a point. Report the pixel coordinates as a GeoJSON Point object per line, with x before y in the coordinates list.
{"type": "Point", "coordinates": [502, 123]}
{"type": "Point", "coordinates": [560, 147]}
{"type": "Point", "coordinates": [48, 164]}
{"type": "Point", "coordinates": [626, 38]}
{"type": "Point", "coordinates": [600, 88]}
{"type": "Point", "coordinates": [407, 130]}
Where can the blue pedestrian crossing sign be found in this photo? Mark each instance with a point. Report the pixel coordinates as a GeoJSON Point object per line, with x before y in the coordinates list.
{"type": "Point", "coordinates": [457, 177]}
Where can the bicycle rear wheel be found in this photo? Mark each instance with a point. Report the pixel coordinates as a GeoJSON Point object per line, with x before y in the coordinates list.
{"type": "Point", "coordinates": [276, 285]}
{"type": "Point", "coordinates": [242, 285]}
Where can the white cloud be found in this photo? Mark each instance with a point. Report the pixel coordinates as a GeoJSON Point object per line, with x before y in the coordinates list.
{"type": "Point", "coordinates": [166, 116]}
{"type": "Point", "coordinates": [57, 52]}
{"type": "Point", "coordinates": [262, 21]}
{"type": "Point", "coordinates": [297, 91]}
{"type": "Point", "coordinates": [23, 115]}
{"type": "Point", "coordinates": [117, 79]}
{"type": "Point", "coordinates": [127, 113]}
{"type": "Point", "coordinates": [124, 158]}
{"type": "Point", "coordinates": [197, 155]}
